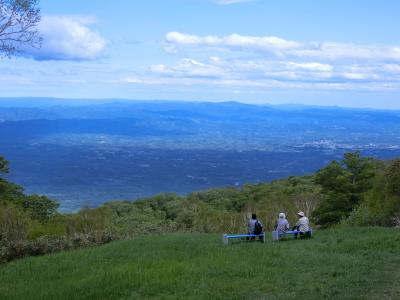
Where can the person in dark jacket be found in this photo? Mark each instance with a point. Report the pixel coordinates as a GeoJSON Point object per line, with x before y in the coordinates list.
{"type": "Point", "coordinates": [253, 227]}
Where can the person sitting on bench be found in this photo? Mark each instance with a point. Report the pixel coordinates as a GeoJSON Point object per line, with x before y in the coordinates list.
{"type": "Point", "coordinates": [303, 226]}
{"type": "Point", "coordinates": [282, 225]}
{"type": "Point", "coordinates": [254, 226]}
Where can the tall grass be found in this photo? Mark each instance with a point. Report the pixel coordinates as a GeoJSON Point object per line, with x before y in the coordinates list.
{"type": "Point", "coordinates": [357, 263]}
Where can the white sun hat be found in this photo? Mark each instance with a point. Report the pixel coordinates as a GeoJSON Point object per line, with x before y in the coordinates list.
{"type": "Point", "coordinates": [301, 214]}
{"type": "Point", "coordinates": [282, 216]}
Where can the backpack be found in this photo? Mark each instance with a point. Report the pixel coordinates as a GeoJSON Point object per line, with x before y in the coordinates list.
{"type": "Point", "coordinates": [258, 228]}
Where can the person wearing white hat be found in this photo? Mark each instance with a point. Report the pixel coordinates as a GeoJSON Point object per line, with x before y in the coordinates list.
{"type": "Point", "coordinates": [282, 225]}
{"type": "Point", "coordinates": [302, 225]}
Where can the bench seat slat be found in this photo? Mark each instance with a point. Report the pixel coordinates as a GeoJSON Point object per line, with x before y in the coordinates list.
{"type": "Point", "coordinates": [233, 236]}
{"type": "Point", "coordinates": [226, 237]}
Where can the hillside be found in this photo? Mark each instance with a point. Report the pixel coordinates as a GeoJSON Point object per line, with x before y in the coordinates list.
{"type": "Point", "coordinates": [357, 263]}
{"type": "Point", "coordinates": [357, 191]}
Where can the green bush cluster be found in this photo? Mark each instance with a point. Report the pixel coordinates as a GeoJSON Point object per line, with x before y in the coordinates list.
{"type": "Point", "coordinates": [381, 203]}
{"type": "Point", "coordinates": [20, 235]}
{"type": "Point", "coordinates": [12, 249]}
{"type": "Point", "coordinates": [359, 191]}
{"type": "Point", "coordinates": [216, 210]}
{"type": "Point", "coordinates": [31, 225]}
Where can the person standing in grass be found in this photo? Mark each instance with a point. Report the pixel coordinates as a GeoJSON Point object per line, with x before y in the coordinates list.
{"type": "Point", "coordinates": [303, 226]}
{"type": "Point", "coordinates": [282, 224]}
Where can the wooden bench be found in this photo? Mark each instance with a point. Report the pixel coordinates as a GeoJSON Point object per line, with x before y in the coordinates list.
{"type": "Point", "coordinates": [227, 237]}
{"type": "Point", "coordinates": [276, 236]}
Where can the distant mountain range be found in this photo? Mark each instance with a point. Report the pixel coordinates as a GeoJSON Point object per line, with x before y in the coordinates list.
{"type": "Point", "coordinates": [201, 125]}
{"type": "Point", "coordinates": [89, 151]}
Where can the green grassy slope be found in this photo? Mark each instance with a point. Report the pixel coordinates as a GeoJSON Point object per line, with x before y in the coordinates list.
{"type": "Point", "coordinates": [361, 263]}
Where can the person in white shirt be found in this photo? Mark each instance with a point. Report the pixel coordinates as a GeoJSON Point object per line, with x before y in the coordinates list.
{"type": "Point", "coordinates": [282, 225]}
{"type": "Point", "coordinates": [302, 225]}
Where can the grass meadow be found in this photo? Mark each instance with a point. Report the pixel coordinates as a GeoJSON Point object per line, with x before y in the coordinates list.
{"type": "Point", "coordinates": [342, 263]}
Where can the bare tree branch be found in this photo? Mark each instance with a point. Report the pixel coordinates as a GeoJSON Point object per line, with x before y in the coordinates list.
{"type": "Point", "coordinates": [18, 26]}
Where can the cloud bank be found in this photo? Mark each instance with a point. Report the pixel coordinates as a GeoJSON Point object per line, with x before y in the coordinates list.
{"type": "Point", "coordinates": [263, 62]}
{"type": "Point", "coordinates": [68, 38]}
{"type": "Point", "coordinates": [285, 48]}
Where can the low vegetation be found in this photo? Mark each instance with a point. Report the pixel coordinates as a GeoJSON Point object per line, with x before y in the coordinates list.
{"type": "Point", "coordinates": [356, 191]}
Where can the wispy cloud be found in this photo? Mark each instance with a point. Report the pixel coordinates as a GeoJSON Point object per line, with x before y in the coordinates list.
{"type": "Point", "coordinates": [68, 38]}
{"type": "Point", "coordinates": [285, 48]}
{"type": "Point", "coordinates": [265, 43]}
{"type": "Point", "coordinates": [228, 2]}
{"type": "Point", "coordinates": [191, 68]}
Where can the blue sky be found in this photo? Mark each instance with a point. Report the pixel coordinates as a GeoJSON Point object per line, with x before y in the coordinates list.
{"type": "Point", "coordinates": [317, 52]}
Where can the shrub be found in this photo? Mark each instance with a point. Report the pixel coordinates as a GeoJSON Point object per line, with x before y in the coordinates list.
{"type": "Point", "coordinates": [55, 226]}
{"type": "Point", "coordinates": [88, 220]}
{"type": "Point", "coordinates": [13, 223]}
{"type": "Point", "coordinates": [14, 249]}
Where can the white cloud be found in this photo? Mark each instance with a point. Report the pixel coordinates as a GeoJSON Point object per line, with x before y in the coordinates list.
{"type": "Point", "coordinates": [334, 51]}
{"type": "Point", "coordinates": [68, 38]}
{"type": "Point", "coordinates": [138, 80]}
{"type": "Point", "coordinates": [188, 67]}
{"type": "Point", "coordinates": [355, 76]}
{"type": "Point", "coordinates": [266, 43]}
{"type": "Point", "coordinates": [285, 48]}
{"type": "Point", "coordinates": [310, 66]}
{"type": "Point", "coordinates": [260, 84]}
{"type": "Point", "coordinates": [264, 73]}
{"type": "Point", "coordinates": [159, 68]}
{"type": "Point", "coordinates": [215, 59]}
{"type": "Point", "coordinates": [393, 68]}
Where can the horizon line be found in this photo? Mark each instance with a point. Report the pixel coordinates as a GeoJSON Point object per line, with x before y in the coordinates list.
{"type": "Point", "coordinates": [112, 100]}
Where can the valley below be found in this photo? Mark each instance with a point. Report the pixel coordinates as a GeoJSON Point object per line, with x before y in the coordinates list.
{"type": "Point", "coordinates": [86, 154]}
{"type": "Point", "coordinates": [87, 176]}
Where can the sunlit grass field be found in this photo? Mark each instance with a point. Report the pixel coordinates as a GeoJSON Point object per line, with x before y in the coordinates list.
{"type": "Point", "coordinates": [356, 263]}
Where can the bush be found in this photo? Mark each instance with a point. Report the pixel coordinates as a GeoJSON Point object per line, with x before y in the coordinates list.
{"type": "Point", "coordinates": [361, 216]}
{"type": "Point", "coordinates": [14, 249]}
{"type": "Point", "coordinates": [88, 220]}
{"type": "Point", "coordinates": [55, 226]}
{"type": "Point", "coordinates": [13, 223]}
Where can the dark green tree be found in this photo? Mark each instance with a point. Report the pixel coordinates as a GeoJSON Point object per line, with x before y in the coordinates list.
{"type": "Point", "coordinates": [393, 178]}
{"type": "Point", "coordinates": [40, 207]}
{"type": "Point", "coordinates": [9, 192]}
{"type": "Point", "coordinates": [343, 186]}
{"type": "Point", "coordinates": [381, 205]}
{"type": "Point", "coordinates": [3, 165]}
{"type": "Point", "coordinates": [362, 170]}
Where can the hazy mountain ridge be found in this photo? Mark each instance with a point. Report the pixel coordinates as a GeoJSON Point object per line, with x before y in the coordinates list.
{"type": "Point", "coordinates": [263, 126]}
{"type": "Point", "coordinates": [86, 153]}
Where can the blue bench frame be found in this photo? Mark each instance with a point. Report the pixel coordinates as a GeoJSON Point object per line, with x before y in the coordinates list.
{"type": "Point", "coordinates": [226, 237]}
{"type": "Point", "coordinates": [276, 236]}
